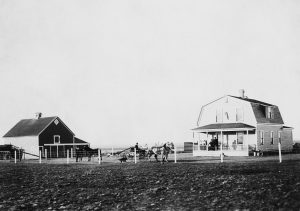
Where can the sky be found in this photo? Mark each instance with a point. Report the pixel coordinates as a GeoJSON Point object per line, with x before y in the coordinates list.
{"type": "Point", "coordinates": [119, 72]}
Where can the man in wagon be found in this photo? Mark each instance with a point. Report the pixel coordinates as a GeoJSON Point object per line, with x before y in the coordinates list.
{"type": "Point", "coordinates": [137, 146]}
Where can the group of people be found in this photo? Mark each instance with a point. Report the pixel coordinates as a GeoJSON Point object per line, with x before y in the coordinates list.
{"type": "Point", "coordinates": [215, 145]}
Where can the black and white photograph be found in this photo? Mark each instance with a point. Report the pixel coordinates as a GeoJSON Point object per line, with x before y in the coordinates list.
{"type": "Point", "coordinates": [149, 105]}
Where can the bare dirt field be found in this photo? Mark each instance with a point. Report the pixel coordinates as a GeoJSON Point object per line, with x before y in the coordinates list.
{"type": "Point", "coordinates": [191, 184]}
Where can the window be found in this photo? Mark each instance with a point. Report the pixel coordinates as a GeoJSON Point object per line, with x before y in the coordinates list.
{"type": "Point", "coordinates": [218, 116]}
{"type": "Point", "coordinates": [269, 112]}
{"type": "Point", "coordinates": [261, 137]}
{"type": "Point", "coordinates": [227, 115]}
{"type": "Point", "coordinates": [279, 137]}
{"type": "Point", "coordinates": [272, 137]}
{"type": "Point", "coordinates": [56, 122]}
{"type": "Point", "coordinates": [56, 139]}
{"type": "Point", "coordinates": [240, 137]}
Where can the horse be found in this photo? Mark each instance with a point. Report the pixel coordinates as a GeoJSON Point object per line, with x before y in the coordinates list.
{"type": "Point", "coordinates": [153, 151]}
{"type": "Point", "coordinates": [91, 152]}
{"type": "Point", "coordinates": [167, 148]}
{"type": "Point", "coordinates": [164, 150]}
{"type": "Point", "coordinates": [79, 153]}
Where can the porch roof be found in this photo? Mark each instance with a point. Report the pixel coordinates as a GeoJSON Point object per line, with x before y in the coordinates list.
{"type": "Point", "coordinates": [224, 127]}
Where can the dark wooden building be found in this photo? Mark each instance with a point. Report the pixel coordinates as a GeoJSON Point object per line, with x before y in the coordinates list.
{"type": "Point", "coordinates": [50, 135]}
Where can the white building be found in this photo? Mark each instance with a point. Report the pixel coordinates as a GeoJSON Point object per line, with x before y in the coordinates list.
{"type": "Point", "coordinates": [237, 125]}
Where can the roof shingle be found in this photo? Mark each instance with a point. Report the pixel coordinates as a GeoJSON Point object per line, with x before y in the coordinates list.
{"type": "Point", "coordinates": [29, 127]}
{"type": "Point", "coordinates": [252, 101]}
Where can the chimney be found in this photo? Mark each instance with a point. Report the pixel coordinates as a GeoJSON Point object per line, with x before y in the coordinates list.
{"type": "Point", "coordinates": [38, 115]}
{"type": "Point", "coordinates": [242, 93]}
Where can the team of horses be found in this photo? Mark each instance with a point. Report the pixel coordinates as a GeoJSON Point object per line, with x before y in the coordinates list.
{"type": "Point", "coordinates": [162, 151]}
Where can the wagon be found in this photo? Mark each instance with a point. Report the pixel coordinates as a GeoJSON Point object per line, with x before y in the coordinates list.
{"type": "Point", "coordinates": [8, 152]}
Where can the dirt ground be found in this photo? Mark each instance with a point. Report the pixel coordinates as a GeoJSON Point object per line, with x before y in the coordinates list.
{"type": "Point", "coordinates": [199, 184]}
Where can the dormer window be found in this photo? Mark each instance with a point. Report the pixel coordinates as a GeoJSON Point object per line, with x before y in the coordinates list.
{"type": "Point", "coordinates": [269, 112]}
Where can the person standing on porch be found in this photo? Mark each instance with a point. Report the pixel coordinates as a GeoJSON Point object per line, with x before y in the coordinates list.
{"type": "Point", "coordinates": [234, 144]}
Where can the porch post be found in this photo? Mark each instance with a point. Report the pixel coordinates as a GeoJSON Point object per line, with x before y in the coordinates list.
{"type": "Point", "coordinates": [236, 143]}
{"type": "Point", "coordinates": [207, 141]}
{"type": "Point", "coordinates": [221, 146]}
{"type": "Point", "coordinates": [247, 142]}
{"type": "Point", "coordinates": [57, 151]}
{"type": "Point", "coordinates": [50, 155]}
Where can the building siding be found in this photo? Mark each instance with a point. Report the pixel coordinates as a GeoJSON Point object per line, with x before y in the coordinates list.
{"type": "Point", "coordinates": [47, 136]}
{"type": "Point", "coordinates": [226, 108]}
{"type": "Point", "coordinates": [286, 138]}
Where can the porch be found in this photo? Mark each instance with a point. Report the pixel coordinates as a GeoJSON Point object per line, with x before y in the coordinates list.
{"type": "Point", "coordinates": [60, 150]}
{"type": "Point", "coordinates": [230, 139]}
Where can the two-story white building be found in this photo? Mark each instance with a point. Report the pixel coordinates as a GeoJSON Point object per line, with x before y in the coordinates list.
{"type": "Point", "coordinates": [237, 125]}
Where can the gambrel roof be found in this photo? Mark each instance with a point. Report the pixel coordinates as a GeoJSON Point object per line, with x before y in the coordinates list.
{"type": "Point", "coordinates": [258, 108]}
{"type": "Point", "coordinates": [260, 116]}
{"type": "Point", "coordinates": [32, 127]}
{"type": "Point", "coordinates": [252, 100]}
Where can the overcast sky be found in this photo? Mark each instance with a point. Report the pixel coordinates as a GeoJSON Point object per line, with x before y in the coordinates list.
{"type": "Point", "coordinates": [118, 72]}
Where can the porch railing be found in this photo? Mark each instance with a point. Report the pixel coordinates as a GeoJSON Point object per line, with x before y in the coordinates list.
{"type": "Point", "coordinates": [232, 147]}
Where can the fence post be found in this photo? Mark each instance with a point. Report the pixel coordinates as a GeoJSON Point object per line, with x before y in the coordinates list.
{"type": "Point", "coordinates": [15, 156]}
{"type": "Point", "coordinates": [99, 156]}
{"type": "Point", "coordinates": [67, 156]}
{"type": "Point", "coordinates": [221, 146]}
{"type": "Point", "coordinates": [40, 157]}
{"type": "Point", "coordinates": [279, 150]}
{"type": "Point", "coordinates": [175, 158]}
{"type": "Point", "coordinates": [134, 155]}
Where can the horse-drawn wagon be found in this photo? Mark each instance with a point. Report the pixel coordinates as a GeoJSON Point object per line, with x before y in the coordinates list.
{"type": "Point", "coordinates": [8, 152]}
